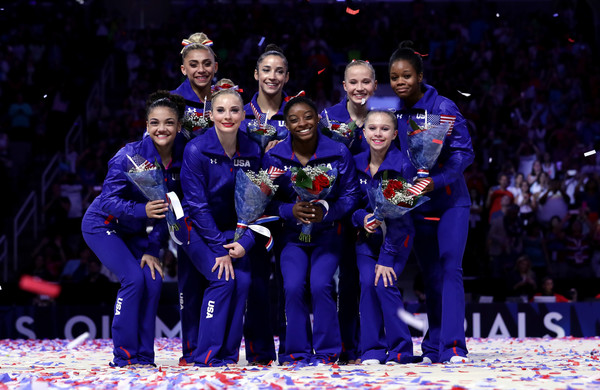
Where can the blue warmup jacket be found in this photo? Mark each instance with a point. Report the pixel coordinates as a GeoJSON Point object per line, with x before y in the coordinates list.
{"type": "Point", "coordinates": [275, 121]}
{"type": "Point", "coordinates": [342, 199]}
{"type": "Point", "coordinates": [450, 189]}
{"type": "Point", "coordinates": [339, 112]}
{"type": "Point", "coordinates": [122, 207]}
{"type": "Point", "coordinates": [208, 183]}
{"type": "Point", "coordinates": [398, 240]}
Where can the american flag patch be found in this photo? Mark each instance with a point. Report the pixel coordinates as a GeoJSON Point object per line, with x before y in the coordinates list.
{"type": "Point", "coordinates": [435, 119]}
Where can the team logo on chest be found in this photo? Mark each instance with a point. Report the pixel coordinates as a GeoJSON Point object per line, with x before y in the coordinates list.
{"type": "Point", "coordinates": [241, 163]}
{"type": "Point", "coordinates": [213, 161]}
{"type": "Point", "coordinates": [363, 181]}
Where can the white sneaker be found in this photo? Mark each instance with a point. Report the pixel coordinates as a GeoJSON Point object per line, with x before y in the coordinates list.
{"type": "Point", "coordinates": [426, 360]}
{"type": "Point", "coordinates": [392, 363]}
{"type": "Point", "coordinates": [370, 362]}
{"type": "Point", "coordinates": [459, 359]}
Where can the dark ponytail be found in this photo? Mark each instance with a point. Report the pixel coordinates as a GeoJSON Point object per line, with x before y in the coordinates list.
{"type": "Point", "coordinates": [406, 52]}
{"type": "Point", "coordinates": [163, 98]}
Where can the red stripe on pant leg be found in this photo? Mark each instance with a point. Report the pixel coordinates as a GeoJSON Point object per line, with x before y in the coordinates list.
{"type": "Point", "coordinates": [207, 356]}
{"type": "Point", "coordinates": [406, 241]}
{"type": "Point", "coordinates": [127, 352]}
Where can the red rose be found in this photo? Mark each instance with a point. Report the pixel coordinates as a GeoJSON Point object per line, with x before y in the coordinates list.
{"type": "Point", "coordinates": [395, 184]}
{"type": "Point", "coordinates": [335, 126]}
{"type": "Point", "coordinates": [321, 181]}
{"type": "Point", "coordinates": [388, 193]}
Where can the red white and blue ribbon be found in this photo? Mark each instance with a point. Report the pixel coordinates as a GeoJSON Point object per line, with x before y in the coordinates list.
{"type": "Point", "coordinates": [216, 88]}
{"type": "Point", "coordinates": [288, 98]}
{"type": "Point", "coordinates": [206, 42]}
{"type": "Point", "coordinates": [257, 227]}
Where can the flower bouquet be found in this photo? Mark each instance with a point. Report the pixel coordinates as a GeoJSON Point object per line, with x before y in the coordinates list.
{"type": "Point", "coordinates": [392, 198]}
{"type": "Point", "coordinates": [425, 142]}
{"type": "Point", "coordinates": [312, 184]}
{"type": "Point", "coordinates": [196, 123]}
{"type": "Point", "coordinates": [253, 191]}
{"type": "Point", "coordinates": [338, 131]}
{"type": "Point", "coordinates": [259, 130]}
{"type": "Point", "coordinates": [150, 181]}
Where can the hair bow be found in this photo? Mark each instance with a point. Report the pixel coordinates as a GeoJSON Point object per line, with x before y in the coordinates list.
{"type": "Point", "coordinates": [288, 98]}
{"type": "Point", "coordinates": [206, 42]}
{"type": "Point", "coordinates": [216, 88]}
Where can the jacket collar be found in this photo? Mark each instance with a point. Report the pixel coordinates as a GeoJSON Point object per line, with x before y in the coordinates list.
{"type": "Point", "coordinates": [339, 112]}
{"type": "Point", "coordinates": [212, 145]}
{"type": "Point", "coordinates": [254, 101]}
{"type": "Point", "coordinates": [390, 162]}
{"type": "Point", "coordinates": [325, 148]}
{"type": "Point", "coordinates": [426, 102]}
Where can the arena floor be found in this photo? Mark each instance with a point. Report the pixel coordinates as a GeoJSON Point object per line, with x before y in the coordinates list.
{"type": "Point", "coordinates": [499, 363]}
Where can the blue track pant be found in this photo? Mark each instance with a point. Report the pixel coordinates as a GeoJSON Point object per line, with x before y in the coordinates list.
{"type": "Point", "coordinates": [134, 320]}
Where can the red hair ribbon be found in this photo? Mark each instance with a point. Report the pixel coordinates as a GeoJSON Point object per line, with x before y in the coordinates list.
{"type": "Point", "coordinates": [216, 88]}
{"type": "Point", "coordinates": [288, 98]}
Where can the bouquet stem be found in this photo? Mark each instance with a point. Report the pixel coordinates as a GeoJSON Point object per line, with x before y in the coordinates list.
{"type": "Point", "coordinates": [305, 234]}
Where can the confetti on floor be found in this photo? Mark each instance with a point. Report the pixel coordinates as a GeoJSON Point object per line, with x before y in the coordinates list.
{"type": "Point", "coordinates": [499, 363]}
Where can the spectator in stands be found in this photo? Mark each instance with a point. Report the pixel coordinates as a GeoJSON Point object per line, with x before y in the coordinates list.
{"type": "Point", "coordinates": [522, 279]}
{"type": "Point", "coordinates": [496, 194]}
{"type": "Point", "coordinates": [547, 290]}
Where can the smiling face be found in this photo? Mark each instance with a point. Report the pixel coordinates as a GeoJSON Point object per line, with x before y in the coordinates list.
{"type": "Point", "coordinates": [379, 131]}
{"type": "Point", "coordinates": [272, 75]}
{"type": "Point", "coordinates": [200, 67]}
{"type": "Point", "coordinates": [301, 121]}
{"type": "Point", "coordinates": [405, 81]}
{"type": "Point", "coordinates": [359, 83]}
{"type": "Point", "coordinates": [227, 112]}
{"type": "Point", "coordinates": [162, 126]}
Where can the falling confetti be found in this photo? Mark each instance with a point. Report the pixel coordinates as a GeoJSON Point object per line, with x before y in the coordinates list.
{"type": "Point", "coordinates": [321, 71]}
{"type": "Point", "coordinates": [352, 11]}
{"type": "Point", "coordinates": [464, 93]}
{"type": "Point", "coordinates": [411, 320]}
{"type": "Point", "coordinates": [262, 40]}
{"type": "Point", "coordinates": [79, 340]}
{"type": "Point", "coordinates": [590, 153]}
{"type": "Point", "coordinates": [38, 286]}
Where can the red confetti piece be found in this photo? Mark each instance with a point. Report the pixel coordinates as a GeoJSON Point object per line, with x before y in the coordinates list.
{"type": "Point", "coordinates": [431, 219]}
{"type": "Point", "coordinates": [39, 286]}
{"type": "Point", "coordinates": [352, 11]}
{"type": "Point", "coordinates": [437, 141]}
{"type": "Point", "coordinates": [321, 71]}
{"type": "Point", "coordinates": [571, 40]}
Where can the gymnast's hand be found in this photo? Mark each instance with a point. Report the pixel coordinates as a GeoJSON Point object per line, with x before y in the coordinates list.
{"type": "Point", "coordinates": [386, 274]}
{"type": "Point", "coordinates": [372, 228]}
{"type": "Point", "coordinates": [236, 250]}
{"type": "Point", "coordinates": [225, 265]}
{"type": "Point", "coordinates": [307, 212]}
{"type": "Point", "coordinates": [154, 265]}
{"type": "Point", "coordinates": [156, 209]}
